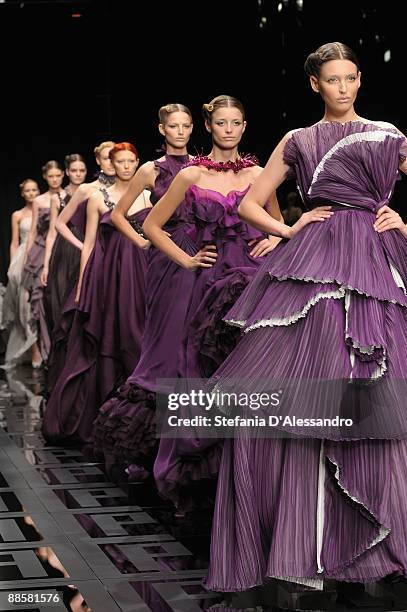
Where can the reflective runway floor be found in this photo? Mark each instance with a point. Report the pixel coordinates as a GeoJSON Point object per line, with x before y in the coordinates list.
{"type": "Point", "coordinates": [72, 540]}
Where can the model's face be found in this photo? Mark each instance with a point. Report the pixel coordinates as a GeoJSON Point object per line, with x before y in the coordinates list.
{"type": "Point", "coordinates": [177, 129]}
{"type": "Point", "coordinates": [125, 164]}
{"type": "Point", "coordinates": [105, 162]}
{"type": "Point", "coordinates": [338, 84]}
{"type": "Point", "coordinates": [30, 191]}
{"type": "Point", "coordinates": [76, 172]}
{"type": "Point", "coordinates": [54, 178]}
{"type": "Point", "coordinates": [227, 126]}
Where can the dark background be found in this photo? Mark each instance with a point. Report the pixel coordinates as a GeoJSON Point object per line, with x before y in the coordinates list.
{"type": "Point", "coordinates": [69, 82]}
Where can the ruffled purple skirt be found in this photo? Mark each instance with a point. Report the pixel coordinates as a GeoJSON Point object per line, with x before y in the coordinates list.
{"type": "Point", "coordinates": [326, 313]}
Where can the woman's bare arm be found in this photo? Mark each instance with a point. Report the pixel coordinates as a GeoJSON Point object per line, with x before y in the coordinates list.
{"type": "Point", "coordinates": [143, 179]}
{"type": "Point", "coordinates": [251, 208]}
{"type": "Point", "coordinates": [160, 214]}
{"type": "Point", "coordinates": [263, 247]}
{"type": "Point", "coordinates": [260, 194]}
{"type": "Point", "coordinates": [94, 209]}
{"type": "Point", "coordinates": [81, 194]}
{"type": "Point", "coordinates": [15, 233]}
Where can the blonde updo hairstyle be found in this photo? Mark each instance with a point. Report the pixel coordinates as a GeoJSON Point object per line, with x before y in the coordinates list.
{"type": "Point", "coordinates": [103, 145]}
{"type": "Point", "coordinates": [221, 102]}
{"type": "Point", "coordinates": [167, 109]}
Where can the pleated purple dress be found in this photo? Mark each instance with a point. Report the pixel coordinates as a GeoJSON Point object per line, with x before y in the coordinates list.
{"type": "Point", "coordinates": [328, 305]}
{"type": "Point", "coordinates": [31, 280]}
{"type": "Point", "coordinates": [104, 342]}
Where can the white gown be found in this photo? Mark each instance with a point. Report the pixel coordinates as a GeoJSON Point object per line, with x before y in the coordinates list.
{"type": "Point", "coordinates": [16, 306]}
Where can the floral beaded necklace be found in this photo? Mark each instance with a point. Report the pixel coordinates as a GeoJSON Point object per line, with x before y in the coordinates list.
{"type": "Point", "coordinates": [243, 161]}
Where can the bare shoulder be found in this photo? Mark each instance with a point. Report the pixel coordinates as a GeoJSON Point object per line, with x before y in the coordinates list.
{"type": "Point", "coordinates": [256, 170]}
{"type": "Point", "coordinates": [148, 172]}
{"type": "Point", "coordinates": [189, 176]}
{"type": "Point", "coordinates": [86, 188]}
{"type": "Point", "coordinates": [42, 201]}
{"type": "Point", "coordinates": [95, 199]}
{"type": "Point", "coordinates": [147, 167]}
{"type": "Point", "coordinates": [17, 215]}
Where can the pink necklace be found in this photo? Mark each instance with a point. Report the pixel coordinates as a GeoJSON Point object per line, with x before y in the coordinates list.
{"type": "Point", "coordinates": [244, 161]}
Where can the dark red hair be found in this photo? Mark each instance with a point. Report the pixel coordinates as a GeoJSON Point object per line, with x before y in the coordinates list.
{"type": "Point", "coordinates": [122, 146]}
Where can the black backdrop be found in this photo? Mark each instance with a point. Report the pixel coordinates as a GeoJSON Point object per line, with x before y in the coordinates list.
{"type": "Point", "coordinates": [69, 82]}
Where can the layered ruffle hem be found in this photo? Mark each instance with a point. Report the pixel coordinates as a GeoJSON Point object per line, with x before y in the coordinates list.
{"type": "Point", "coordinates": [333, 507]}
{"type": "Point", "coordinates": [335, 504]}
{"type": "Point", "coordinates": [335, 291]}
{"type": "Point", "coordinates": [324, 325]}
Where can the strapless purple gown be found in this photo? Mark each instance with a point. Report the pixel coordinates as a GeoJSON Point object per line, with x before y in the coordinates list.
{"type": "Point", "coordinates": [194, 309]}
{"type": "Point", "coordinates": [104, 342]}
{"type": "Point", "coordinates": [183, 463]}
{"type": "Point", "coordinates": [328, 305]}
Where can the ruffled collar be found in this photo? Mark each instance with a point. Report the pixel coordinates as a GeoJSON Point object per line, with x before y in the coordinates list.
{"type": "Point", "coordinates": [106, 179]}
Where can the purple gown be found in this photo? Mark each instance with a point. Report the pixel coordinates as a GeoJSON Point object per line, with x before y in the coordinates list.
{"type": "Point", "coordinates": [104, 342]}
{"type": "Point", "coordinates": [186, 461]}
{"type": "Point", "coordinates": [31, 280]}
{"type": "Point", "coordinates": [329, 304]}
{"type": "Point", "coordinates": [124, 428]}
{"type": "Point", "coordinates": [200, 344]}
{"type": "Point", "coordinates": [64, 319]}
{"type": "Point", "coordinates": [63, 273]}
